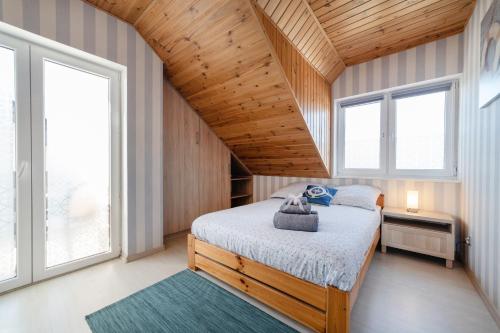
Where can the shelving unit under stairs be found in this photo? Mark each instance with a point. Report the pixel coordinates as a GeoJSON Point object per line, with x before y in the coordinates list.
{"type": "Point", "coordinates": [241, 183]}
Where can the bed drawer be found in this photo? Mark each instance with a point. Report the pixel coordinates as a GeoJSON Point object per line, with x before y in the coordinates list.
{"type": "Point", "coordinates": [431, 242]}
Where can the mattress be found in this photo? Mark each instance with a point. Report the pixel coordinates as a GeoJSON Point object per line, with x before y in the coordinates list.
{"type": "Point", "coordinates": [332, 256]}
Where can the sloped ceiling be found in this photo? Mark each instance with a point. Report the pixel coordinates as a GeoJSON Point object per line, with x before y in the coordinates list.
{"type": "Point", "coordinates": [297, 22]}
{"type": "Point", "coordinates": [361, 30]}
{"type": "Point", "coordinates": [218, 57]}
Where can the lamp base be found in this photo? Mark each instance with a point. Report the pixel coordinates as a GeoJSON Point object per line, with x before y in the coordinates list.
{"type": "Point", "coordinates": [412, 210]}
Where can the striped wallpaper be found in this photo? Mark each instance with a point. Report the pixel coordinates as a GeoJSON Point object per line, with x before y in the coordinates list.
{"type": "Point", "coordinates": [429, 61]}
{"type": "Point", "coordinates": [479, 165]}
{"type": "Point", "coordinates": [424, 62]}
{"type": "Point", "coordinates": [437, 196]}
{"type": "Point", "coordinates": [74, 23]}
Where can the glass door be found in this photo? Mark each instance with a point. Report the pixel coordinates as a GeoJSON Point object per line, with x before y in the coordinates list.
{"type": "Point", "coordinates": [76, 172]}
{"type": "Point", "coordinates": [15, 165]}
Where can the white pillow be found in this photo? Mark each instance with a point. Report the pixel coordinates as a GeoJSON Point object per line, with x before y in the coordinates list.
{"type": "Point", "coordinates": [294, 189]}
{"type": "Point", "coordinates": [362, 196]}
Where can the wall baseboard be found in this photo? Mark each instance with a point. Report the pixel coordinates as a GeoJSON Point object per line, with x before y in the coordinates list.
{"type": "Point", "coordinates": [489, 305]}
{"type": "Point", "coordinates": [137, 256]}
{"type": "Point", "coordinates": [178, 234]}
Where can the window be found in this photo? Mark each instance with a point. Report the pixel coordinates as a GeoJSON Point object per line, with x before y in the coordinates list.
{"type": "Point", "coordinates": [399, 133]}
{"type": "Point", "coordinates": [362, 139]}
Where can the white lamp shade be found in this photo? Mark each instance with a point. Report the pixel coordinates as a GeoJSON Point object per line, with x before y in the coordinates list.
{"type": "Point", "coordinates": [412, 200]}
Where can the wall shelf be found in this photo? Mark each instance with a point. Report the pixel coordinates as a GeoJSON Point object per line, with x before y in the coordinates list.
{"type": "Point", "coordinates": [241, 183]}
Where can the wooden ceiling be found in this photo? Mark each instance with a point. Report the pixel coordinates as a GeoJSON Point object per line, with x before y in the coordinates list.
{"type": "Point", "coordinates": [362, 30]}
{"type": "Point", "coordinates": [297, 22]}
{"type": "Point", "coordinates": [219, 58]}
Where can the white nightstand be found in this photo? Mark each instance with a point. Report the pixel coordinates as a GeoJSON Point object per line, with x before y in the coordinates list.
{"type": "Point", "coordinates": [424, 232]}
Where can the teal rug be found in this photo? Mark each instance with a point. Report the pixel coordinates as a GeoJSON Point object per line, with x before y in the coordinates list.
{"type": "Point", "coordinates": [185, 302]}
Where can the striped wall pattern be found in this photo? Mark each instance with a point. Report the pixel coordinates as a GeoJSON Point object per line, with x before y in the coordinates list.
{"type": "Point", "coordinates": [479, 166]}
{"type": "Point", "coordinates": [74, 23]}
{"type": "Point", "coordinates": [444, 197]}
{"type": "Point", "coordinates": [424, 62]}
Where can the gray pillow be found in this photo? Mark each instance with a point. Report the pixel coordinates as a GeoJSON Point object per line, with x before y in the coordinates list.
{"type": "Point", "coordinates": [362, 196]}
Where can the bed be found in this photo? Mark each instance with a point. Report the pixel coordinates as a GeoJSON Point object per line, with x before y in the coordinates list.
{"type": "Point", "coordinates": [313, 278]}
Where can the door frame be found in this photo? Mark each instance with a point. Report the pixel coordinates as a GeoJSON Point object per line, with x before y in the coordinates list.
{"type": "Point", "coordinates": [38, 55]}
{"type": "Point", "coordinates": [29, 39]}
{"type": "Point", "coordinates": [23, 164]}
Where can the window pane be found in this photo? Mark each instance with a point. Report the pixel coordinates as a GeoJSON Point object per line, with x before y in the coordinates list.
{"type": "Point", "coordinates": [362, 136]}
{"type": "Point", "coordinates": [7, 166]}
{"type": "Point", "coordinates": [420, 132]}
{"type": "Point", "coordinates": [77, 112]}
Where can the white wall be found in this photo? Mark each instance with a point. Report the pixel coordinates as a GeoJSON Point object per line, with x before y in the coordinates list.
{"type": "Point", "coordinates": [77, 24]}
{"type": "Point", "coordinates": [480, 168]}
{"type": "Point", "coordinates": [429, 61]}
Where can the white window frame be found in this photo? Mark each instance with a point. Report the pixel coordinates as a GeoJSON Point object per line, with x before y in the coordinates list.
{"type": "Point", "coordinates": [23, 164]}
{"type": "Point", "coordinates": [388, 134]}
{"type": "Point", "coordinates": [383, 137]}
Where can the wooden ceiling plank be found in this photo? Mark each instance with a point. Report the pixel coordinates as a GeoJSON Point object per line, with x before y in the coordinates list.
{"type": "Point", "coordinates": [309, 39]}
{"type": "Point", "coordinates": [344, 9]}
{"type": "Point", "coordinates": [403, 23]}
{"type": "Point", "coordinates": [191, 30]}
{"type": "Point", "coordinates": [309, 33]}
{"type": "Point", "coordinates": [453, 30]}
{"type": "Point", "coordinates": [300, 15]}
{"type": "Point", "coordinates": [280, 10]}
{"type": "Point", "coordinates": [311, 46]}
{"type": "Point", "coordinates": [246, 102]}
{"type": "Point", "coordinates": [300, 29]}
{"type": "Point", "coordinates": [323, 32]}
{"type": "Point", "coordinates": [262, 3]}
{"type": "Point", "coordinates": [321, 55]}
{"type": "Point", "coordinates": [372, 14]}
{"type": "Point", "coordinates": [271, 7]}
{"type": "Point", "coordinates": [353, 26]}
{"type": "Point", "coordinates": [352, 13]}
{"type": "Point", "coordinates": [324, 6]}
{"type": "Point", "coordinates": [289, 13]}
{"type": "Point", "coordinates": [431, 21]}
{"type": "Point", "coordinates": [407, 14]}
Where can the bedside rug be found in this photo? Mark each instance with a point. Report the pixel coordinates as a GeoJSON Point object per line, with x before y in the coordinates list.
{"type": "Point", "coordinates": [184, 302]}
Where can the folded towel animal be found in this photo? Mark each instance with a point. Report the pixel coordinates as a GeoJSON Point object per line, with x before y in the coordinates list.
{"type": "Point", "coordinates": [298, 206]}
{"type": "Point", "coordinates": [292, 209]}
{"type": "Point", "coordinates": [298, 222]}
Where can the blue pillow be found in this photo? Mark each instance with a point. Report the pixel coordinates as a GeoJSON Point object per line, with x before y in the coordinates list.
{"type": "Point", "coordinates": [320, 195]}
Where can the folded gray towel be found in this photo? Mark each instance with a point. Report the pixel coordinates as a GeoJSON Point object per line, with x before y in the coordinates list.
{"type": "Point", "coordinates": [295, 209]}
{"type": "Point", "coordinates": [299, 222]}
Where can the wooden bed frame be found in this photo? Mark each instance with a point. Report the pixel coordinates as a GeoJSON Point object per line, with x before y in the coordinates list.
{"type": "Point", "coordinates": [324, 309]}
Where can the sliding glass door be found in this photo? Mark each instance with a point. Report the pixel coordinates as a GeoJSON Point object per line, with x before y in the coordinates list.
{"type": "Point", "coordinates": [75, 163]}
{"type": "Point", "coordinates": [15, 165]}
{"type": "Point", "coordinates": [59, 162]}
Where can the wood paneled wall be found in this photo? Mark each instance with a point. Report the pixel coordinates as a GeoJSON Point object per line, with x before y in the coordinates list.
{"type": "Point", "coordinates": [311, 89]}
{"type": "Point", "coordinates": [196, 165]}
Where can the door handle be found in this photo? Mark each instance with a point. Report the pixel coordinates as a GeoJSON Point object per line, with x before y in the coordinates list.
{"type": "Point", "coordinates": [22, 169]}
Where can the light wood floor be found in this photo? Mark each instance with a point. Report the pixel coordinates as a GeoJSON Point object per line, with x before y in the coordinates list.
{"type": "Point", "coordinates": [401, 293]}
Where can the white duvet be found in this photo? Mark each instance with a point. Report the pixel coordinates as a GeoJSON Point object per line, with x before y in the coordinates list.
{"type": "Point", "coordinates": [332, 256]}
